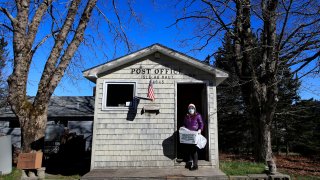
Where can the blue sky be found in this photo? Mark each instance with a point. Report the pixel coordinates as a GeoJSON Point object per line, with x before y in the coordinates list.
{"type": "Point", "coordinates": [156, 17]}
{"type": "Point", "coordinates": [153, 29]}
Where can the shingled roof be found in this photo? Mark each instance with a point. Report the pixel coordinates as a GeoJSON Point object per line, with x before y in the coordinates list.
{"type": "Point", "coordinates": [61, 107]}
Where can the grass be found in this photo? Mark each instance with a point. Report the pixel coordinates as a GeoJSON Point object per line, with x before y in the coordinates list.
{"type": "Point", "coordinates": [238, 168]}
{"type": "Point", "coordinates": [241, 168]}
{"type": "Point", "coordinates": [52, 177]}
{"type": "Point", "coordinates": [16, 175]}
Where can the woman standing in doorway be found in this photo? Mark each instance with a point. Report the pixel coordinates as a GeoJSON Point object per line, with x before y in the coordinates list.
{"type": "Point", "coordinates": [193, 121]}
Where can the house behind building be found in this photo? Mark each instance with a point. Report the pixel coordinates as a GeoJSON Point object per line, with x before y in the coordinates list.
{"type": "Point", "coordinates": [74, 113]}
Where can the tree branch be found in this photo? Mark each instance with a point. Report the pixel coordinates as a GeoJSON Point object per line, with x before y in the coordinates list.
{"type": "Point", "coordinates": [209, 39]}
{"type": "Point", "coordinates": [17, 81]}
{"type": "Point", "coordinates": [120, 25]}
{"type": "Point", "coordinates": [33, 27]}
{"type": "Point", "coordinates": [6, 12]}
{"type": "Point", "coordinates": [307, 61]}
{"type": "Point", "coordinates": [112, 27]}
{"type": "Point", "coordinates": [50, 66]}
{"type": "Point", "coordinates": [309, 72]}
{"type": "Point", "coordinates": [44, 40]}
{"type": "Point", "coordinates": [284, 23]}
{"type": "Point", "coordinates": [218, 16]}
{"type": "Point", "coordinates": [297, 30]}
{"type": "Point", "coordinates": [190, 17]}
{"type": "Point", "coordinates": [309, 45]}
{"type": "Point", "coordinates": [71, 49]}
{"type": "Point", "coordinates": [6, 26]}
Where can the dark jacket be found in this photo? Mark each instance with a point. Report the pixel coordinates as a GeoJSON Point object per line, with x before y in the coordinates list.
{"type": "Point", "coordinates": [193, 122]}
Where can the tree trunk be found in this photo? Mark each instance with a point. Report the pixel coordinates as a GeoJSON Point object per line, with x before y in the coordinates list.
{"type": "Point", "coordinates": [259, 87]}
{"type": "Point", "coordinates": [33, 129]}
{"type": "Point", "coordinates": [262, 111]}
{"type": "Point", "coordinates": [33, 115]}
{"type": "Point", "coordinates": [262, 145]}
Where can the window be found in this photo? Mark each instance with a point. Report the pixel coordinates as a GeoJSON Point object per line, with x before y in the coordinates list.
{"type": "Point", "coordinates": [117, 95]}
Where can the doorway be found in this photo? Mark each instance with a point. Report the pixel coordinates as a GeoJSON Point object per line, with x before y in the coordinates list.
{"type": "Point", "coordinates": [195, 93]}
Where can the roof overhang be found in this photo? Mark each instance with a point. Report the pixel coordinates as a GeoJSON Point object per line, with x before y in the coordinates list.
{"type": "Point", "coordinates": [93, 73]}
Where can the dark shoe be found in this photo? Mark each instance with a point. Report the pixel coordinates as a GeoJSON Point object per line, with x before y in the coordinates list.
{"type": "Point", "coordinates": [193, 168]}
{"type": "Point", "coordinates": [188, 165]}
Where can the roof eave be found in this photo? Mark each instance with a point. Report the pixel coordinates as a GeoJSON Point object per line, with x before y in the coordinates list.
{"type": "Point", "coordinates": [220, 76]}
{"type": "Point", "coordinates": [93, 73]}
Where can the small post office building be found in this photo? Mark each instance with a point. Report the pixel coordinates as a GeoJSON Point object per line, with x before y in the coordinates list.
{"type": "Point", "coordinates": [132, 131]}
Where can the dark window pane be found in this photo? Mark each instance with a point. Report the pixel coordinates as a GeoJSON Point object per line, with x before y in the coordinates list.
{"type": "Point", "coordinates": [119, 94]}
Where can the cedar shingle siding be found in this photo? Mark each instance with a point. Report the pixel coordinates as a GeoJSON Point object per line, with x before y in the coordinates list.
{"type": "Point", "coordinates": [132, 137]}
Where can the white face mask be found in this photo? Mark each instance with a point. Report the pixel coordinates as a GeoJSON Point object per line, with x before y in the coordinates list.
{"type": "Point", "coordinates": [191, 111]}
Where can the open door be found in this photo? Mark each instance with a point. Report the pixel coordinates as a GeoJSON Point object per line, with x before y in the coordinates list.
{"type": "Point", "coordinates": [195, 93]}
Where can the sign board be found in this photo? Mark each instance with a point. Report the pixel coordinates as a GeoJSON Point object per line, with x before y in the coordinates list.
{"type": "Point", "coordinates": [30, 160]}
{"type": "Point", "coordinates": [188, 137]}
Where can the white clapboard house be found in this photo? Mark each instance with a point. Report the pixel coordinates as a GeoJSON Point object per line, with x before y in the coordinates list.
{"type": "Point", "coordinates": [132, 131]}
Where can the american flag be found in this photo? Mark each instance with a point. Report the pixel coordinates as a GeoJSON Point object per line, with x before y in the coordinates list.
{"type": "Point", "coordinates": [151, 91]}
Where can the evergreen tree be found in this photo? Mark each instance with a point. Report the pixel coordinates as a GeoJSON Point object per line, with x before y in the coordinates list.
{"type": "Point", "coordinates": [301, 128]}
{"type": "Point", "coordinates": [288, 94]}
{"type": "Point", "coordinates": [235, 128]}
{"type": "Point", "coordinates": [234, 125]}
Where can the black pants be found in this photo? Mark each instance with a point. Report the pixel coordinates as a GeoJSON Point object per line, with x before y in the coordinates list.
{"type": "Point", "coordinates": [192, 153]}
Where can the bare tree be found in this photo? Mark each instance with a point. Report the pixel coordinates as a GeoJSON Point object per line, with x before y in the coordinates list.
{"type": "Point", "coordinates": [67, 22]}
{"type": "Point", "coordinates": [289, 32]}
{"type": "Point", "coordinates": [25, 26]}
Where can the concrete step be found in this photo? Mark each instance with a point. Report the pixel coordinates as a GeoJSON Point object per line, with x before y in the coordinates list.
{"type": "Point", "coordinates": [277, 176]}
{"type": "Point", "coordinates": [203, 173]}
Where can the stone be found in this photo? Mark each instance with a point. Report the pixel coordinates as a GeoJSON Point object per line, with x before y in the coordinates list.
{"type": "Point", "coordinates": [238, 177]}
{"type": "Point", "coordinates": [272, 167]}
{"type": "Point", "coordinates": [31, 174]}
{"type": "Point", "coordinates": [258, 177]}
{"type": "Point", "coordinates": [279, 176]}
{"type": "Point", "coordinates": [23, 174]}
{"type": "Point", "coordinates": [41, 173]}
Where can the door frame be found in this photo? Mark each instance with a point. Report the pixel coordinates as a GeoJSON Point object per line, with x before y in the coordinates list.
{"type": "Point", "coordinates": [206, 83]}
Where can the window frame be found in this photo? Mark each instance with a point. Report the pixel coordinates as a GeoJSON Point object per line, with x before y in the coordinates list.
{"type": "Point", "coordinates": [105, 90]}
